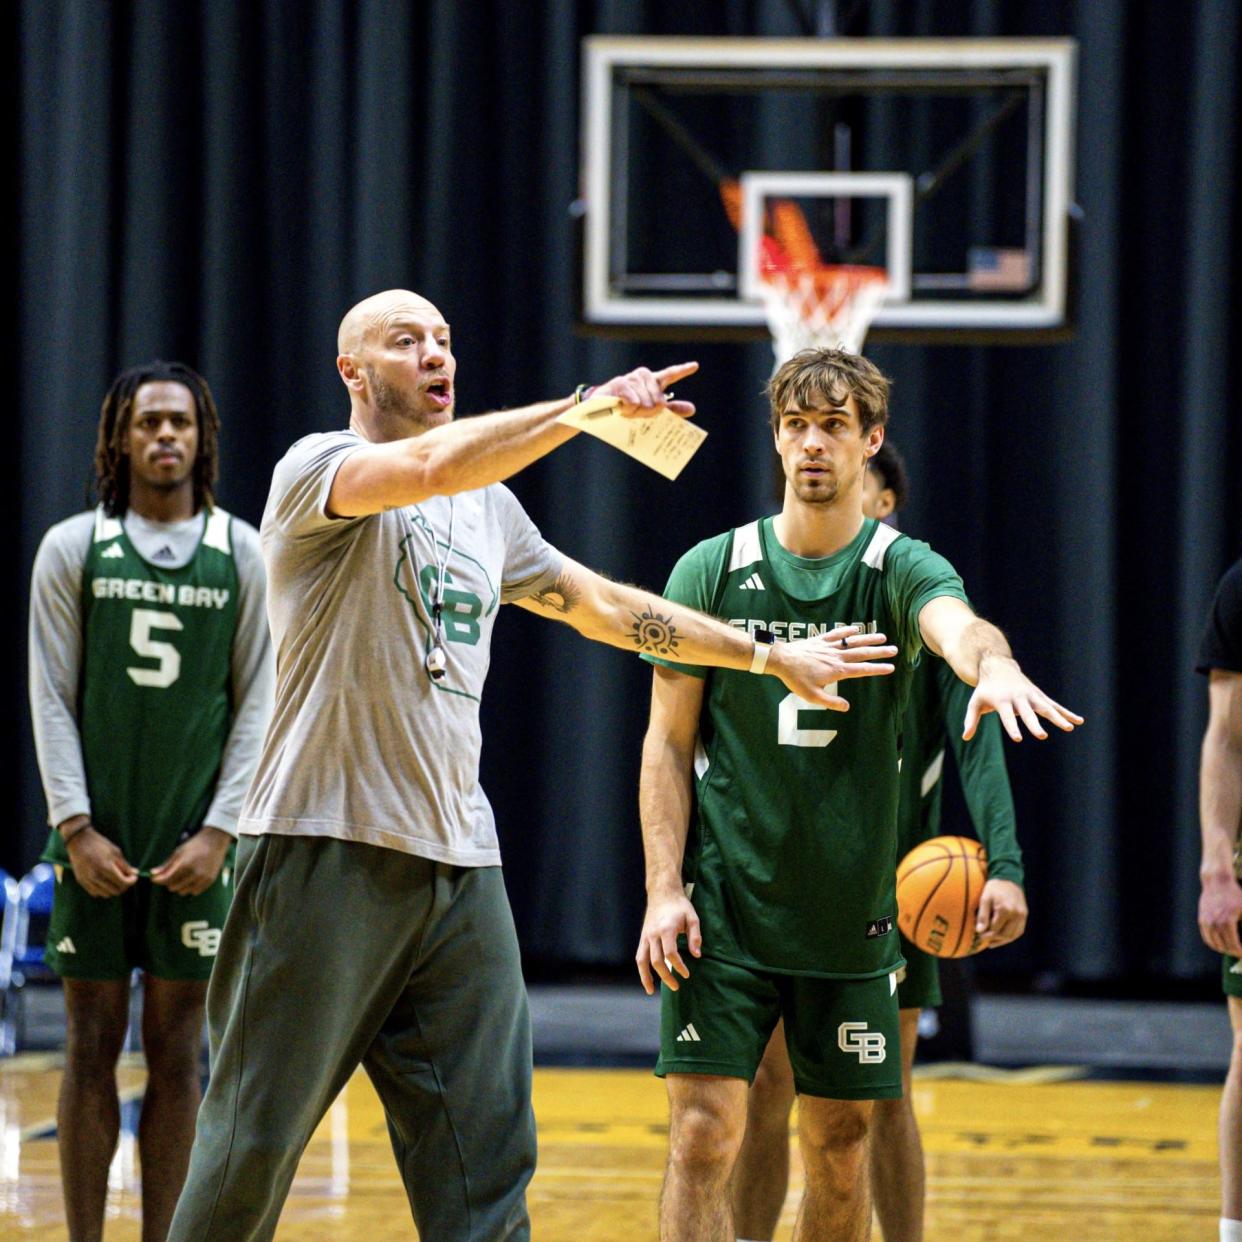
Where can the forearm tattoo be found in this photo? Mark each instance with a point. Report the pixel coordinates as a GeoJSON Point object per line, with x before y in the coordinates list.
{"type": "Point", "coordinates": [654, 633]}
{"type": "Point", "coordinates": [562, 596]}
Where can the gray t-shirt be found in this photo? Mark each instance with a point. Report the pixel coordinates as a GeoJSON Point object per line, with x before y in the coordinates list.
{"type": "Point", "coordinates": [363, 745]}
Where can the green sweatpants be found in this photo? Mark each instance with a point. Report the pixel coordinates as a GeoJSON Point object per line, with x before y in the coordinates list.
{"type": "Point", "coordinates": [337, 954]}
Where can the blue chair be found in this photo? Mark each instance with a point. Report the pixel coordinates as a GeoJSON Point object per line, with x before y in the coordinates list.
{"type": "Point", "coordinates": [25, 930]}
{"type": "Point", "coordinates": [8, 933]}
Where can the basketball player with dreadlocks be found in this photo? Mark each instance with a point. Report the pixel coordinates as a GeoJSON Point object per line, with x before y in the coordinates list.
{"type": "Point", "coordinates": [151, 684]}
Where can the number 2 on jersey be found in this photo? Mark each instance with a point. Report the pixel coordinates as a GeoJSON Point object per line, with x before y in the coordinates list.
{"type": "Point", "coordinates": [787, 731]}
{"type": "Point", "coordinates": [143, 622]}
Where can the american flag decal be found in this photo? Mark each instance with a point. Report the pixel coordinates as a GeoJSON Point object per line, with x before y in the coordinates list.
{"type": "Point", "coordinates": [998, 268]}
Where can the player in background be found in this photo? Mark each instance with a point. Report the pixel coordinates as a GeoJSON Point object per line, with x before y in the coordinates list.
{"type": "Point", "coordinates": [150, 687]}
{"type": "Point", "coordinates": [782, 887]}
{"type": "Point", "coordinates": [1220, 902]}
{"type": "Point", "coordinates": [934, 716]}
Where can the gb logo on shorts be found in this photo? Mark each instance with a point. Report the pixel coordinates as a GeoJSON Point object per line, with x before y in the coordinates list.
{"type": "Point", "coordinates": [198, 934]}
{"type": "Point", "coordinates": [868, 1046]}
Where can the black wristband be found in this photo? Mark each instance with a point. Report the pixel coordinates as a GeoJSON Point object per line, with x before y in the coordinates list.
{"type": "Point", "coordinates": [582, 392]}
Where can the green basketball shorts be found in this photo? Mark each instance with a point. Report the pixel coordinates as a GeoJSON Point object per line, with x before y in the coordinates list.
{"type": "Point", "coordinates": [918, 985]}
{"type": "Point", "coordinates": [145, 928]}
{"type": "Point", "coordinates": [842, 1034]}
{"type": "Point", "coordinates": [1231, 975]}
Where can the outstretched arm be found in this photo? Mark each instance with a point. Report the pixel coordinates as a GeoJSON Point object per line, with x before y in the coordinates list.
{"type": "Point", "coordinates": [641, 621]}
{"type": "Point", "coordinates": [664, 807]}
{"type": "Point", "coordinates": [979, 654]}
{"type": "Point", "coordinates": [474, 452]}
{"type": "Point", "coordinates": [1220, 814]}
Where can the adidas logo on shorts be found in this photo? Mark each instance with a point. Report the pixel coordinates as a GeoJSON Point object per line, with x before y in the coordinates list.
{"type": "Point", "coordinates": [65, 946]}
{"type": "Point", "coordinates": [689, 1035]}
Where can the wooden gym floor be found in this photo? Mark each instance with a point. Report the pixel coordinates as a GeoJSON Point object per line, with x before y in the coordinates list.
{"type": "Point", "coordinates": [1033, 1155]}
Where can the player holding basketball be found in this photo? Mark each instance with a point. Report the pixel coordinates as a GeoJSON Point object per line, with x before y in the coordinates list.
{"type": "Point", "coordinates": [938, 704]}
{"type": "Point", "coordinates": [790, 865]}
{"type": "Point", "coordinates": [371, 924]}
{"type": "Point", "coordinates": [1220, 903]}
{"type": "Point", "coordinates": [150, 685]}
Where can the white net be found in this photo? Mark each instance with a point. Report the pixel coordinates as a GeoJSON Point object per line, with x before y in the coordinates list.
{"type": "Point", "coordinates": [829, 308]}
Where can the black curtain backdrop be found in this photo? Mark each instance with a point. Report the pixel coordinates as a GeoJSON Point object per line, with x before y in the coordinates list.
{"type": "Point", "coordinates": [217, 182]}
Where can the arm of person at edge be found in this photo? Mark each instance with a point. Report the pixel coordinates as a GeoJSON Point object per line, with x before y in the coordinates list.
{"type": "Point", "coordinates": [664, 800]}
{"type": "Point", "coordinates": [1220, 814]}
{"type": "Point", "coordinates": [985, 785]}
{"type": "Point", "coordinates": [641, 621]}
{"type": "Point", "coordinates": [475, 452]}
{"type": "Point", "coordinates": [98, 864]}
{"type": "Point", "coordinates": [194, 865]}
{"type": "Point", "coordinates": [979, 654]}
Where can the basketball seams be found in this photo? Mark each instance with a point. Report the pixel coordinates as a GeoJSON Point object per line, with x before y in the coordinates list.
{"type": "Point", "coordinates": [913, 937]}
{"type": "Point", "coordinates": [961, 931]}
{"type": "Point", "coordinates": [946, 852]}
{"type": "Point", "coordinates": [931, 862]}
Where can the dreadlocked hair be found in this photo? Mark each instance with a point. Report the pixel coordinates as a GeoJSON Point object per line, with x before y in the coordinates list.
{"type": "Point", "coordinates": [112, 463]}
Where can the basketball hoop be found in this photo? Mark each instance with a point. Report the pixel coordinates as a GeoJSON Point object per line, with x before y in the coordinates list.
{"type": "Point", "coordinates": [822, 306]}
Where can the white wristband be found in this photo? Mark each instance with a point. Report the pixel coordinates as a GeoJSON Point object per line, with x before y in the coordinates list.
{"type": "Point", "coordinates": [759, 660]}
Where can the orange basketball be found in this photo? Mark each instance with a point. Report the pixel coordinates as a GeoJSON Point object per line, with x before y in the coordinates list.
{"type": "Point", "coordinates": [938, 888]}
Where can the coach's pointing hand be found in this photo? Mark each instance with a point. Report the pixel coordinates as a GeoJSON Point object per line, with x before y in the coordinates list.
{"type": "Point", "coordinates": [643, 393]}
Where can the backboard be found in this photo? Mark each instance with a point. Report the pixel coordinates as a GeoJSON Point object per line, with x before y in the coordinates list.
{"type": "Point", "coordinates": [949, 162]}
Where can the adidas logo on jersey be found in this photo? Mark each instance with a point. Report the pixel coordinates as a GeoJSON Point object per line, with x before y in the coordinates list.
{"type": "Point", "coordinates": [689, 1035]}
{"type": "Point", "coordinates": [753, 583]}
{"type": "Point", "coordinates": [65, 946]}
{"type": "Point", "coordinates": [112, 551]}
{"type": "Point", "coordinates": [1236, 968]}
{"type": "Point", "coordinates": [164, 554]}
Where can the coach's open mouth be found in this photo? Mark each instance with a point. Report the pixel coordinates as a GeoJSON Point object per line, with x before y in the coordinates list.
{"type": "Point", "coordinates": [440, 391]}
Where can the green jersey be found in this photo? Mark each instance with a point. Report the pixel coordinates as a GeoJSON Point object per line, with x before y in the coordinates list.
{"type": "Point", "coordinates": [938, 699]}
{"type": "Point", "coordinates": [792, 850]}
{"type": "Point", "coordinates": [154, 703]}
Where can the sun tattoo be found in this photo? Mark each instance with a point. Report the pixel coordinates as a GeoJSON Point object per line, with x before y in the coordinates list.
{"type": "Point", "coordinates": [654, 633]}
{"type": "Point", "coordinates": [562, 596]}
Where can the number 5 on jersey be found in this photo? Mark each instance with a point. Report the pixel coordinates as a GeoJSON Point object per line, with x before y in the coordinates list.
{"type": "Point", "coordinates": [145, 620]}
